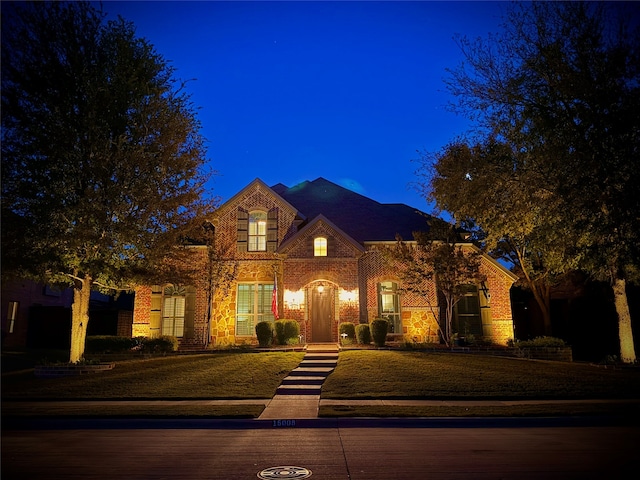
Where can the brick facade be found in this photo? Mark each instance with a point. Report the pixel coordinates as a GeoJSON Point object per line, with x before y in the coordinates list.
{"type": "Point", "coordinates": [350, 273]}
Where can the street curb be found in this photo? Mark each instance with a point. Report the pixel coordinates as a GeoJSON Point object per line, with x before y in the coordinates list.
{"type": "Point", "coordinates": [15, 423]}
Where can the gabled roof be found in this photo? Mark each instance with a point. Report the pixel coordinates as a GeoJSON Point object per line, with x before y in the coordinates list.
{"type": "Point", "coordinates": [257, 183]}
{"type": "Point", "coordinates": [320, 218]}
{"type": "Point", "coordinates": [360, 217]}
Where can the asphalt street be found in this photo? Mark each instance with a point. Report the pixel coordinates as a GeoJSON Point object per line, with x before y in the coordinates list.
{"type": "Point", "coordinates": [356, 449]}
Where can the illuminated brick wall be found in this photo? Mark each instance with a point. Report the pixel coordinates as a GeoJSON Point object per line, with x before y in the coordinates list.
{"type": "Point", "coordinates": [141, 312]}
{"type": "Point", "coordinates": [352, 275]}
{"type": "Point", "coordinates": [339, 269]}
{"type": "Point", "coordinates": [418, 312]}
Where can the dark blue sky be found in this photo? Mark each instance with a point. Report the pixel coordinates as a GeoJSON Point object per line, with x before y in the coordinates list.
{"type": "Point", "coordinates": [292, 91]}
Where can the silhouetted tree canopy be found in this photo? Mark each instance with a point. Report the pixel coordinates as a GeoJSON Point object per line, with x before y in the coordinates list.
{"type": "Point", "coordinates": [551, 174]}
{"type": "Point", "coordinates": [103, 165]}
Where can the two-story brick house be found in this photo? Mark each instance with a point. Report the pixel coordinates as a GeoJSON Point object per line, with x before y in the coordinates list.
{"type": "Point", "coordinates": [309, 253]}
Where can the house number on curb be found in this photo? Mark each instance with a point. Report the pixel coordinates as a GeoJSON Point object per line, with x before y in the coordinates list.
{"type": "Point", "coordinates": [284, 472]}
{"type": "Point", "coordinates": [284, 423]}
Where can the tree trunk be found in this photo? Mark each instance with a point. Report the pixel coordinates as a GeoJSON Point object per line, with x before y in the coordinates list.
{"type": "Point", "coordinates": [542, 295]}
{"type": "Point", "coordinates": [79, 318]}
{"type": "Point", "coordinates": [449, 322]}
{"type": "Point", "coordinates": [625, 333]}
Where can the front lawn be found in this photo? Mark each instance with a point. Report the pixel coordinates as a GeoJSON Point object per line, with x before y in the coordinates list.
{"type": "Point", "coordinates": [203, 376]}
{"type": "Point", "coordinates": [373, 374]}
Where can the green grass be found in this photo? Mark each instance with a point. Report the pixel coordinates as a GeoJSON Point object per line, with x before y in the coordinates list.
{"type": "Point", "coordinates": [86, 409]}
{"type": "Point", "coordinates": [629, 410]}
{"type": "Point", "coordinates": [215, 376]}
{"type": "Point", "coordinates": [366, 374]}
{"type": "Point", "coordinates": [398, 374]}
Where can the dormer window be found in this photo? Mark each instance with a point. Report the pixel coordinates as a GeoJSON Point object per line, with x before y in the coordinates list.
{"type": "Point", "coordinates": [320, 247]}
{"type": "Point", "coordinates": [257, 231]}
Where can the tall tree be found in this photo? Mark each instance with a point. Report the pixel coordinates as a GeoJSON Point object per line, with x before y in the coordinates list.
{"type": "Point", "coordinates": [560, 88]}
{"type": "Point", "coordinates": [492, 186]}
{"type": "Point", "coordinates": [103, 165]}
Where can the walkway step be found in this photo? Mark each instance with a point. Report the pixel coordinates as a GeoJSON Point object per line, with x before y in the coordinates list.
{"type": "Point", "coordinates": [302, 380]}
{"type": "Point", "coordinates": [311, 371]}
{"type": "Point", "coordinates": [298, 396]}
{"type": "Point", "coordinates": [299, 390]}
{"type": "Point", "coordinates": [321, 356]}
{"type": "Point", "coordinates": [318, 363]}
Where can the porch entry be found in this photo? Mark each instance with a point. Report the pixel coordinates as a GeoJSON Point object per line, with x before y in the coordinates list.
{"type": "Point", "coordinates": [321, 303]}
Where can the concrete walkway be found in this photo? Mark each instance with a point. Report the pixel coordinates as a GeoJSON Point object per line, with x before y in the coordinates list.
{"type": "Point", "coordinates": [298, 396]}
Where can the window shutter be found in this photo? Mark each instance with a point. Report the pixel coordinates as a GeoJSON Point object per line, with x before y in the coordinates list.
{"type": "Point", "coordinates": [331, 246]}
{"type": "Point", "coordinates": [190, 313]}
{"type": "Point", "coordinates": [243, 230]}
{"type": "Point", "coordinates": [310, 246]}
{"type": "Point", "coordinates": [272, 230]}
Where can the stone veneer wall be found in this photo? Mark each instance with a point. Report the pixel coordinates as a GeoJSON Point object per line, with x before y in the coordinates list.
{"type": "Point", "coordinates": [223, 324]}
{"type": "Point", "coordinates": [418, 313]}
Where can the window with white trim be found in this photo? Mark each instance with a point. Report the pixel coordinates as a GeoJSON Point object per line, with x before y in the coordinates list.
{"type": "Point", "coordinates": [320, 247]}
{"type": "Point", "coordinates": [253, 305]}
{"type": "Point", "coordinates": [389, 305]}
{"type": "Point", "coordinates": [257, 231]}
{"type": "Point", "coordinates": [173, 311]}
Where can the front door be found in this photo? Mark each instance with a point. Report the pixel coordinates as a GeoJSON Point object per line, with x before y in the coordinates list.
{"type": "Point", "coordinates": [321, 315]}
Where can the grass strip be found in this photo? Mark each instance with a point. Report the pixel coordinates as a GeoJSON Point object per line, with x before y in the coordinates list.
{"type": "Point", "coordinates": [630, 410]}
{"type": "Point", "coordinates": [136, 411]}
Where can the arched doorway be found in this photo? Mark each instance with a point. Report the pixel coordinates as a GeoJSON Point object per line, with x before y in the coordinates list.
{"type": "Point", "coordinates": [321, 312]}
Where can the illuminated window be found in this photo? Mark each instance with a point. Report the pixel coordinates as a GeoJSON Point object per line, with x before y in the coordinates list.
{"type": "Point", "coordinates": [467, 318]}
{"type": "Point", "coordinates": [319, 247]}
{"type": "Point", "coordinates": [173, 311]}
{"type": "Point", "coordinates": [389, 305]}
{"type": "Point", "coordinates": [253, 305]}
{"type": "Point", "coordinates": [257, 232]}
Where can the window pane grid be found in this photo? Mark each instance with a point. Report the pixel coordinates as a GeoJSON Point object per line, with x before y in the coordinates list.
{"type": "Point", "coordinates": [320, 247]}
{"type": "Point", "coordinates": [257, 232]}
{"type": "Point", "coordinates": [389, 305]}
{"type": "Point", "coordinates": [253, 306]}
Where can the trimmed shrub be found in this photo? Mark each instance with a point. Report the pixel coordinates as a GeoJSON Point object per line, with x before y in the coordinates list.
{"type": "Point", "coordinates": [109, 344]}
{"type": "Point", "coordinates": [291, 331]}
{"type": "Point", "coordinates": [264, 332]}
{"type": "Point", "coordinates": [279, 330]}
{"type": "Point", "coordinates": [162, 344]}
{"type": "Point", "coordinates": [541, 342]}
{"type": "Point", "coordinates": [349, 329]}
{"type": "Point", "coordinates": [363, 334]}
{"type": "Point", "coordinates": [379, 328]}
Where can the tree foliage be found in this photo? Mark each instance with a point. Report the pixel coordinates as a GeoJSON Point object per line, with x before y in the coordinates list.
{"type": "Point", "coordinates": [443, 260]}
{"type": "Point", "coordinates": [102, 160]}
{"type": "Point", "coordinates": [552, 170]}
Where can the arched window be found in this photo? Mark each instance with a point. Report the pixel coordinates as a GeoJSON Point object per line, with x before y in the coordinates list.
{"type": "Point", "coordinates": [257, 231]}
{"type": "Point", "coordinates": [320, 247]}
{"type": "Point", "coordinates": [173, 311]}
